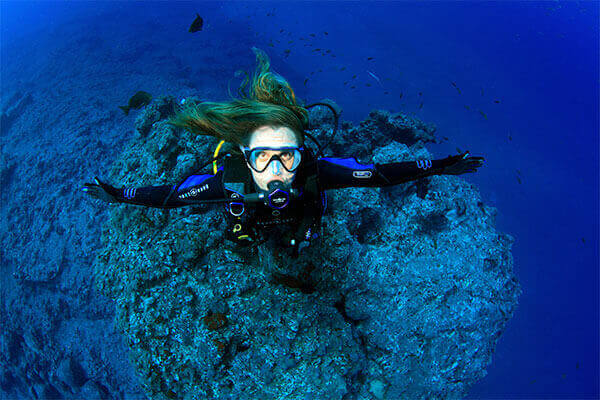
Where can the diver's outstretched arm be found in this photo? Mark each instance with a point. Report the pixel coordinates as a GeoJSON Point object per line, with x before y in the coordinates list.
{"type": "Point", "coordinates": [335, 173]}
{"type": "Point", "coordinates": [193, 189]}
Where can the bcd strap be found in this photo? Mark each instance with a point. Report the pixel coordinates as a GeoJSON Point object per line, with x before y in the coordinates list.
{"type": "Point", "coordinates": [312, 212]}
{"type": "Point", "coordinates": [310, 224]}
{"type": "Point", "coordinates": [235, 178]}
{"type": "Point", "coordinates": [236, 174]}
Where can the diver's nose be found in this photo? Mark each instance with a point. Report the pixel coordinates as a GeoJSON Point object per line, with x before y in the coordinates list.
{"type": "Point", "coordinates": [276, 167]}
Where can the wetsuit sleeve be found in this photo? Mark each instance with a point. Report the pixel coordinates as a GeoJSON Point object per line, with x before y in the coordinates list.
{"type": "Point", "coordinates": [336, 173]}
{"type": "Point", "coordinates": [190, 191]}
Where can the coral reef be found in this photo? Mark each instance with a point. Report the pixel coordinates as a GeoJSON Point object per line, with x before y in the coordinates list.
{"type": "Point", "coordinates": [406, 295]}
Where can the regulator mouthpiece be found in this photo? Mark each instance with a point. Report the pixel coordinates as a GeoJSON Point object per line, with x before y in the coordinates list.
{"type": "Point", "coordinates": [277, 198]}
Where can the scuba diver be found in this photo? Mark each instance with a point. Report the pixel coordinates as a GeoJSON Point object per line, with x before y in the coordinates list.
{"type": "Point", "coordinates": [270, 181]}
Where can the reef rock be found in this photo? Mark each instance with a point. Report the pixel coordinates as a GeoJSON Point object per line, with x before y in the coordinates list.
{"type": "Point", "coordinates": [406, 295]}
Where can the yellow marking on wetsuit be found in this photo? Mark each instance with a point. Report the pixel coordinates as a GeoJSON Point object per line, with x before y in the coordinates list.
{"type": "Point", "coordinates": [237, 228]}
{"type": "Point", "coordinates": [215, 155]}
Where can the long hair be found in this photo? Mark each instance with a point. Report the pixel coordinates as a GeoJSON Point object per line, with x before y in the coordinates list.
{"type": "Point", "coordinates": [271, 102]}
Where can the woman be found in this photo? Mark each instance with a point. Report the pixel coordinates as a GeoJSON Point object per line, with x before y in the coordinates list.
{"type": "Point", "coordinates": [274, 182]}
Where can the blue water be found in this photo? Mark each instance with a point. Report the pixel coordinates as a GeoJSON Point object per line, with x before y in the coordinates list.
{"type": "Point", "coordinates": [528, 72]}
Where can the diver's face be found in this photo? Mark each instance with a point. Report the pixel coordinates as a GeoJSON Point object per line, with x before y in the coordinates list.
{"type": "Point", "coordinates": [267, 136]}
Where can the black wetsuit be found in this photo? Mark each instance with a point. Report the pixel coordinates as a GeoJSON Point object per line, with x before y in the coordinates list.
{"type": "Point", "coordinates": [334, 173]}
{"type": "Point", "coordinates": [300, 220]}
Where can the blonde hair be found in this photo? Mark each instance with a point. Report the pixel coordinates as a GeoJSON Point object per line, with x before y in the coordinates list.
{"type": "Point", "coordinates": [271, 102]}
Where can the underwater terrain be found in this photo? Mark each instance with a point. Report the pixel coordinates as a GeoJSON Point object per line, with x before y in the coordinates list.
{"type": "Point", "coordinates": [412, 288]}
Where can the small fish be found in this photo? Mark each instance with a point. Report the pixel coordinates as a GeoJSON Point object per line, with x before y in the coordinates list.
{"type": "Point", "coordinates": [483, 114]}
{"type": "Point", "coordinates": [519, 171]}
{"type": "Point", "coordinates": [287, 52]}
{"type": "Point", "coordinates": [467, 107]}
{"type": "Point", "coordinates": [306, 80]}
{"type": "Point", "coordinates": [455, 87]}
{"type": "Point", "coordinates": [352, 87]}
{"type": "Point", "coordinates": [420, 93]}
{"type": "Point", "coordinates": [326, 33]}
{"type": "Point", "coordinates": [519, 180]}
{"type": "Point", "coordinates": [343, 69]}
{"type": "Point", "coordinates": [445, 138]}
{"type": "Point", "coordinates": [317, 50]}
{"type": "Point", "coordinates": [459, 150]}
{"type": "Point", "coordinates": [328, 51]}
{"type": "Point", "coordinates": [313, 35]}
{"type": "Point", "coordinates": [497, 101]}
{"type": "Point", "coordinates": [281, 31]}
{"type": "Point", "coordinates": [136, 101]}
{"type": "Point", "coordinates": [345, 83]}
{"type": "Point", "coordinates": [368, 84]}
{"type": "Point", "coordinates": [312, 72]}
{"type": "Point", "coordinates": [374, 76]}
{"type": "Point", "coordinates": [386, 92]}
{"type": "Point", "coordinates": [401, 94]}
{"type": "Point", "coordinates": [353, 76]}
{"type": "Point", "coordinates": [582, 241]}
{"type": "Point", "coordinates": [510, 137]}
{"type": "Point", "coordinates": [421, 105]}
{"type": "Point", "coordinates": [197, 24]}
{"type": "Point", "coordinates": [320, 70]}
{"type": "Point", "coordinates": [369, 59]}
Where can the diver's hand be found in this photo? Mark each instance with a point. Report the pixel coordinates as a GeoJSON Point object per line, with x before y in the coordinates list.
{"type": "Point", "coordinates": [100, 190]}
{"type": "Point", "coordinates": [462, 164]}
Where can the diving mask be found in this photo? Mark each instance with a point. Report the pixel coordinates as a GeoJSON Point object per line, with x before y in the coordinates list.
{"type": "Point", "coordinates": [259, 158]}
